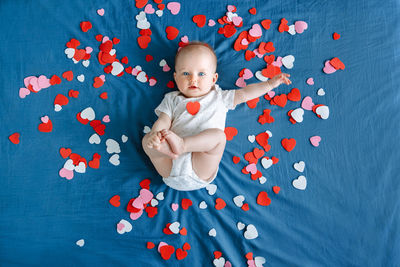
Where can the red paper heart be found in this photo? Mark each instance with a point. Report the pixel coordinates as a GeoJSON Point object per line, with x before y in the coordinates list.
{"type": "Point", "coordinates": [172, 32]}
{"type": "Point", "coordinates": [94, 163]}
{"type": "Point", "coordinates": [275, 160]}
{"type": "Point", "coordinates": [170, 84]}
{"type": "Point", "coordinates": [14, 138]}
{"type": "Point", "coordinates": [151, 211]}
{"type": "Point", "coordinates": [180, 254]}
{"type": "Point", "coordinates": [258, 153]}
{"type": "Point", "coordinates": [150, 245]}
{"type": "Point", "coordinates": [249, 256]}
{"type": "Point", "coordinates": [269, 47]}
{"type": "Point", "coordinates": [253, 102]}
{"type": "Point", "coordinates": [73, 93]}
{"type": "Point", "coordinates": [143, 41]}
{"type": "Point", "coordinates": [229, 30]}
{"type": "Point", "coordinates": [288, 144]}
{"type": "Point", "coordinates": [183, 231]}
{"type": "Point", "coordinates": [145, 32]}
{"type": "Point", "coordinates": [253, 11]}
{"type": "Point", "coordinates": [283, 26]}
{"type": "Point", "coordinates": [115, 40]}
{"type": "Point", "coordinates": [73, 43]}
{"type": "Point", "coordinates": [271, 71]}
{"type": "Point", "coordinates": [85, 26]}
{"type": "Point", "coordinates": [336, 63]}
{"type": "Point", "coordinates": [230, 132]}
{"type": "Point", "coordinates": [269, 59]}
{"type": "Point", "coordinates": [99, 37]}
{"type": "Point", "coordinates": [217, 254]}
{"type": "Point", "coordinates": [263, 199]}
{"type": "Point", "coordinates": [245, 207]}
{"type": "Point", "coordinates": [266, 23]}
{"type": "Point", "coordinates": [130, 208]}
{"type": "Point", "coordinates": [236, 159]}
{"type": "Point", "coordinates": [149, 58]}
{"type": "Point", "coordinates": [61, 100]}
{"type": "Point", "coordinates": [167, 231]}
{"type": "Point", "coordinates": [106, 46]}
{"type": "Point", "coordinates": [68, 75]}
{"type": "Point", "coordinates": [193, 107]}
{"type": "Point", "coordinates": [238, 43]}
{"type": "Point", "coordinates": [280, 100]}
{"type": "Point", "coordinates": [65, 152]}
{"type": "Point", "coordinates": [200, 20]}
{"type": "Point", "coordinates": [276, 189]}
{"type": "Point", "coordinates": [100, 129]}
{"type": "Point", "coordinates": [145, 183]}
{"type": "Point", "coordinates": [79, 54]}
{"type": "Point", "coordinates": [294, 95]}
{"type": "Point", "coordinates": [104, 95]}
{"type": "Point", "coordinates": [249, 55]}
{"type": "Point", "coordinates": [262, 139]}
{"type": "Point", "coordinates": [219, 204]}
{"type": "Point", "coordinates": [266, 117]}
{"type": "Point", "coordinates": [166, 251]}
{"type": "Point", "coordinates": [46, 127]}
{"type": "Point", "coordinates": [98, 82]}
{"type": "Point", "coordinates": [81, 120]}
{"type": "Point", "coordinates": [336, 36]}
{"type": "Point", "coordinates": [140, 3]}
{"type": "Point", "coordinates": [161, 6]}
{"type": "Point", "coordinates": [186, 203]}
{"type": "Point", "coordinates": [115, 200]}
{"type": "Point", "coordinates": [186, 246]}
{"type": "Point", "coordinates": [249, 156]}
{"type": "Point", "coordinates": [55, 80]}
{"type": "Point", "coordinates": [257, 175]}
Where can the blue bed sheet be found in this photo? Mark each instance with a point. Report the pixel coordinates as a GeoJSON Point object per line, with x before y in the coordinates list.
{"type": "Point", "coordinates": [348, 214]}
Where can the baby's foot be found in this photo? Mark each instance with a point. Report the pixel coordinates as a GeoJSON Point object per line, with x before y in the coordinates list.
{"type": "Point", "coordinates": [176, 142]}
{"type": "Point", "coordinates": [157, 142]}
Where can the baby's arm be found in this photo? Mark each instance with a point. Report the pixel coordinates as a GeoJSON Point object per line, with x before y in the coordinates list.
{"type": "Point", "coordinates": [258, 89]}
{"type": "Point", "coordinates": [155, 137]}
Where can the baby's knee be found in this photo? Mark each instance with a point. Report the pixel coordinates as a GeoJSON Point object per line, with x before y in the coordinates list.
{"type": "Point", "coordinates": [220, 135]}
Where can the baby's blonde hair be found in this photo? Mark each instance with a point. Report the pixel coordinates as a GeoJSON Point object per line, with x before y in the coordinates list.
{"type": "Point", "coordinates": [193, 45]}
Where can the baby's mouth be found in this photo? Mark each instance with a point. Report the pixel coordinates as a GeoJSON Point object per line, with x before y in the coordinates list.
{"type": "Point", "coordinates": [192, 87]}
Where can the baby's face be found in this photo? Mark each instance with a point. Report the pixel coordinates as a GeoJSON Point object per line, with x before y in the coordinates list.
{"type": "Point", "coordinates": [194, 72]}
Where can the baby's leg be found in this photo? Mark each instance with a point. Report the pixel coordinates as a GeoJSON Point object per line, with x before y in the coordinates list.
{"type": "Point", "coordinates": [160, 155]}
{"type": "Point", "coordinates": [207, 149]}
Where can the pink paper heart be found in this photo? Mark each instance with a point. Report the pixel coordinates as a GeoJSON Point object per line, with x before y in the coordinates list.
{"type": "Point", "coordinates": [231, 8]}
{"type": "Point", "coordinates": [27, 79]}
{"type": "Point", "coordinates": [174, 7]}
{"type": "Point", "coordinates": [237, 20]}
{"type": "Point", "coordinates": [257, 53]}
{"type": "Point", "coordinates": [211, 22]}
{"type": "Point", "coordinates": [277, 62]}
{"type": "Point", "coordinates": [120, 226]}
{"type": "Point", "coordinates": [255, 31]}
{"type": "Point", "coordinates": [136, 215]}
{"type": "Point", "coordinates": [161, 245]}
{"type": "Point", "coordinates": [23, 92]}
{"type": "Point", "coordinates": [64, 173]}
{"type": "Point", "coordinates": [315, 140]}
{"type": "Point", "coordinates": [174, 206]}
{"type": "Point", "coordinates": [185, 39]}
{"type": "Point", "coordinates": [146, 195]}
{"type": "Point", "coordinates": [152, 82]}
{"type": "Point", "coordinates": [105, 39]}
{"type": "Point", "coordinates": [43, 82]}
{"type": "Point", "coordinates": [102, 77]}
{"type": "Point", "coordinates": [252, 168]}
{"type": "Point", "coordinates": [88, 50]}
{"type": "Point", "coordinates": [100, 11]}
{"type": "Point", "coordinates": [35, 84]}
{"type": "Point", "coordinates": [135, 72]}
{"type": "Point", "coordinates": [228, 264]}
{"type": "Point", "coordinates": [240, 82]}
{"type": "Point", "coordinates": [271, 94]}
{"type": "Point", "coordinates": [45, 119]}
{"type": "Point", "coordinates": [247, 74]}
{"type": "Point", "coordinates": [166, 68]}
{"type": "Point", "coordinates": [251, 263]}
{"type": "Point", "coordinates": [307, 103]}
{"type": "Point", "coordinates": [300, 26]}
{"type": "Point", "coordinates": [310, 81]}
{"type": "Point", "coordinates": [245, 42]}
{"type": "Point", "coordinates": [328, 69]}
{"type": "Point", "coordinates": [106, 118]}
{"type": "Point", "coordinates": [138, 203]}
{"type": "Point", "coordinates": [148, 9]}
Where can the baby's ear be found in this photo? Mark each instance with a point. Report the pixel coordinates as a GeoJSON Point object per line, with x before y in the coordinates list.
{"type": "Point", "coordinates": [215, 78]}
{"type": "Point", "coordinates": [174, 75]}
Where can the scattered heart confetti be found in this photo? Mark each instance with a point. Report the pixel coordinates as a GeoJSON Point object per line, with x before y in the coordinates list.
{"type": "Point", "coordinates": [251, 232]}
{"type": "Point", "coordinates": [315, 140]}
{"type": "Point", "coordinates": [211, 189]}
{"type": "Point", "coordinates": [14, 138]}
{"type": "Point", "coordinates": [310, 81]}
{"type": "Point", "coordinates": [299, 166]}
{"type": "Point", "coordinates": [300, 183]}
{"type": "Point", "coordinates": [80, 242]}
{"type": "Point", "coordinates": [100, 12]}
{"type": "Point", "coordinates": [212, 232]}
{"type": "Point", "coordinates": [321, 92]}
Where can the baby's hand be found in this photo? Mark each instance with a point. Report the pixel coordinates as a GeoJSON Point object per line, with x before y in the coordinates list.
{"type": "Point", "coordinates": [155, 139]}
{"type": "Point", "coordinates": [279, 79]}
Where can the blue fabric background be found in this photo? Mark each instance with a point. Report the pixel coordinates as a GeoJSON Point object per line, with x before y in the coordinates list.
{"type": "Point", "coordinates": [347, 216]}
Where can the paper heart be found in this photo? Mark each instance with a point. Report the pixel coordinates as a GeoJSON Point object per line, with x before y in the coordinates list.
{"type": "Point", "coordinates": [80, 242]}
{"type": "Point", "coordinates": [240, 82]}
{"type": "Point", "coordinates": [237, 20]}
{"type": "Point", "coordinates": [292, 29]}
{"type": "Point", "coordinates": [321, 92]}
{"type": "Point", "coordinates": [70, 52]}
{"type": "Point", "coordinates": [251, 138]}
{"type": "Point", "coordinates": [288, 61]}
{"type": "Point", "coordinates": [288, 144]}
{"type": "Point", "coordinates": [143, 41]}
{"type": "Point", "coordinates": [23, 92]}
{"type": "Point", "coordinates": [166, 68]}
{"type": "Point", "coordinates": [43, 82]}
{"type": "Point", "coordinates": [148, 9]}
{"type": "Point", "coordinates": [80, 168]}
{"type": "Point", "coordinates": [219, 204]}
{"type": "Point", "coordinates": [172, 32]}
{"type": "Point", "coordinates": [112, 146]}
{"type": "Point", "coordinates": [211, 22]}
{"type": "Point", "coordinates": [238, 200]}
{"type": "Point", "coordinates": [310, 81]}
{"type": "Point", "coordinates": [260, 76]}
{"type": "Point", "coordinates": [94, 139]}
{"type": "Point", "coordinates": [33, 82]}
{"type": "Point", "coordinates": [328, 68]}
{"type": "Point", "coordinates": [297, 114]}
{"type": "Point", "coordinates": [146, 195]}
{"type": "Point", "coordinates": [299, 166]}
{"type": "Point", "coordinates": [47, 126]}
{"type": "Point", "coordinates": [143, 24]}
{"type": "Point", "coordinates": [266, 23]}
{"type": "Point", "coordinates": [231, 8]}
{"type": "Point", "coordinates": [300, 183]}
{"type": "Point", "coordinates": [230, 132]}
{"type": "Point", "coordinates": [262, 179]}
{"type": "Point", "coordinates": [251, 168]}
{"type": "Point", "coordinates": [100, 12]}
{"type": "Point", "coordinates": [166, 251]}
{"type": "Point", "coordinates": [193, 107]}
{"type": "Point", "coordinates": [44, 119]}
{"type": "Point", "coordinates": [14, 138]}
{"type": "Point", "coordinates": [115, 201]}
{"type": "Point", "coordinates": [240, 226]}
{"type": "Point", "coordinates": [259, 261]}
{"type": "Point", "coordinates": [141, 77]}
{"type": "Point", "coordinates": [174, 227]}
{"type": "Point", "coordinates": [106, 119]}
{"type": "Point", "coordinates": [266, 163]}
{"type": "Point", "coordinates": [117, 68]}
{"type": "Point", "coordinates": [251, 232]}
{"type": "Point", "coordinates": [88, 113]}
{"type": "Point", "coordinates": [174, 7]}
{"type": "Point", "coordinates": [154, 202]}
{"type": "Point", "coordinates": [203, 205]}
{"type": "Point", "coordinates": [211, 189]}
{"type": "Point", "coordinates": [307, 103]}
{"type": "Point", "coordinates": [124, 138]}
{"type": "Point", "coordinates": [212, 232]}
{"type": "Point", "coordinates": [136, 215]}
{"type": "Point", "coordinates": [114, 160]}
{"type": "Point", "coordinates": [322, 111]}
{"type": "Point", "coordinates": [68, 174]}
{"type": "Point", "coordinates": [152, 81]}
{"type": "Point", "coordinates": [186, 203]}
{"type": "Point", "coordinates": [247, 74]}
{"type": "Point", "coordinates": [255, 30]}
{"type": "Point", "coordinates": [300, 26]}
{"type": "Point", "coordinates": [315, 140]}
{"type": "Point", "coordinates": [200, 20]}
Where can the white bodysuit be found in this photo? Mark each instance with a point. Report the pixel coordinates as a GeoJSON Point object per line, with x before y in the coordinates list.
{"type": "Point", "coordinates": [211, 114]}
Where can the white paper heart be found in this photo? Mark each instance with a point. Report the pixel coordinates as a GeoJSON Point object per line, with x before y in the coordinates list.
{"type": "Point", "coordinates": [88, 113]}
{"type": "Point", "coordinates": [297, 114]}
{"type": "Point", "coordinates": [323, 111]}
{"type": "Point", "coordinates": [69, 165]}
{"type": "Point", "coordinates": [174, 227]}
{"type": "Point", "coordinates": [94, 139]}
{"type": "Point", "coordinates": [292, 30]}
{"type": "Point", "coordinates": [146, 129]}
{"type": "Point", "coordinates": [299, 166]}
{"type": "Point", "coordinates": [262, 180]}
{"type": "Point", "coordinates": [321, 92]}
{"type": "Point", "coordinates": [112, 146]}
{"type": "Point", "coordinates": [300, 183]}
{"type": "Point", "coordinates": [220, 262]}
{"type": "Point", "coordinates": [114, 160]}
{"type": "Point", "coordinates": [57, 107]}
{"type": "Point", "coordinates": [159, 13]}
{"type": "Point", "coordinates": [266, 163]}
{"type": "Point", "coordinates": [240, 226]}
{"type": "Point", "coordinates": [143, 24]}
{"type": "Point", "coordinates": [70, 52]}
{"type": "Point", "coordinates": [212, 233]}
{"type": "Point", "coordinates": [141, 77]}
{"type": "Point", "coordinates": [86, 63]}
{"type": "Point", "coordinates": [251, 232]}
{"type": "Point", "coordinates": [211, 189]}
{"type": "Point", "coordinates": [269, 133]}
{"type": "Point", "coordinates": [251, 138]}
{"type": "Point", "coordinates": [124, 138]}
{"type": "Point", "coordinates": [141, 16]}
{"type": "Point", "coordinates": [81, 78]}
{"type": "Point", "coordinates": [288, 61]}
{"type": "Point", "coordinates": [154, 202]}
{"type": "Point", "coordinates": [80, 242]}
{"type": "Point", "coordinates": [160, 196]}
{"type": "Point", "coordinates": [261, 77]}
{"type": "Point", "coordinates": [259, 261]}
{"type": "Point", "coordinates": [203, 205]}
{"type": "Point", "coordinates": [117, 68]}
{"type": "Point", "coordinates": [238, 200]}
{"type": "Point", "coordinates": [127, 227]}
{"type": "Point", "coordinates": [81, 168]}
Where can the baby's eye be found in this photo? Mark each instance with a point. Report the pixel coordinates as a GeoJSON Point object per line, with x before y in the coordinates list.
{"type": "Point", "coordinates": [185, 73]}
{"type": "Point", "coordinates": [201, 74]}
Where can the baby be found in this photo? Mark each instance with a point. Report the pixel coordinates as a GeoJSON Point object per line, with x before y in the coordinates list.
{"type": "Point", "coordinates": [187, 141]}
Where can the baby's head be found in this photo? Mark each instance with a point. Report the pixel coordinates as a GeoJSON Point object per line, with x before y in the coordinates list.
{"type": "Point", "coordinates": [195, 69]}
